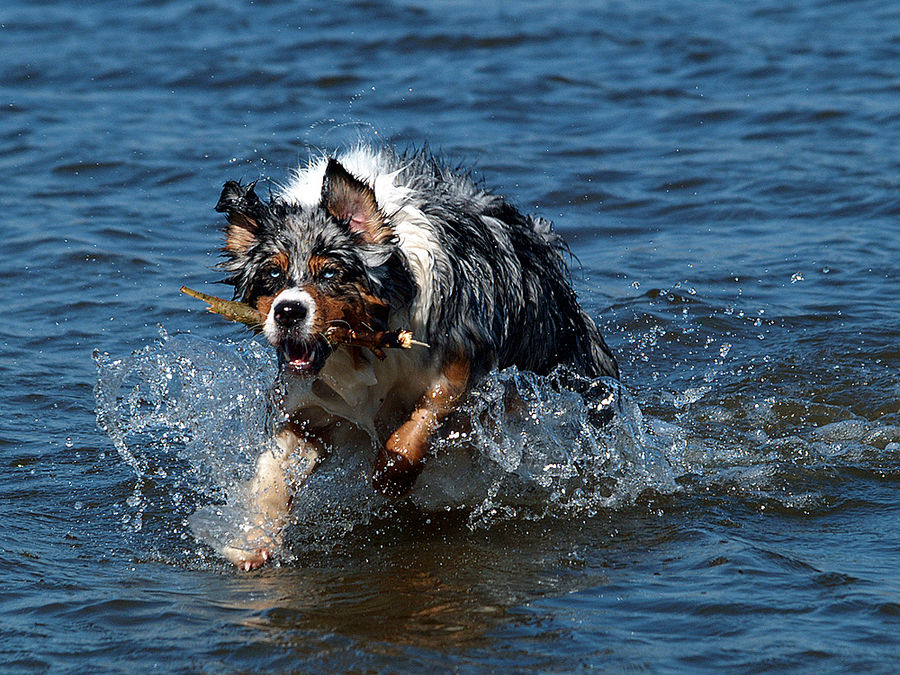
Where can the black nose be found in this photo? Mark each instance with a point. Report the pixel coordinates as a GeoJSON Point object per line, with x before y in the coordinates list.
{"type": "Point", "coordinates": [290, 313]}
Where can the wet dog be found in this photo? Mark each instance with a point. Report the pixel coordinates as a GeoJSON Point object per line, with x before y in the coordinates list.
{"type": "Point", "coordinates": [377, 240]}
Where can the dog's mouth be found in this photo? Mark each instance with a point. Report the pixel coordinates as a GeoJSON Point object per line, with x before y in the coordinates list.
{"type": "Point", "coordinates": [303, 357]}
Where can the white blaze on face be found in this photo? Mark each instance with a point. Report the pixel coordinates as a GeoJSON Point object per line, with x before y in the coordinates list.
{"type": "Point", "coordinates": [273, 331]}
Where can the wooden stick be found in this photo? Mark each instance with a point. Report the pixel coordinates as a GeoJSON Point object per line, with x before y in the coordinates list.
{"type": "Point", "coordinates": [231, 310]}
{"type": "Point", "coordinates": [377, 341]}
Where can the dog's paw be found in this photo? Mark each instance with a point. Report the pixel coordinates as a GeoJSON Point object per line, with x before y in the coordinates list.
{"type": "Point", "coordinates": [247, 560]}
{"type": "Point", "coordinates": [250, 551]}
{"type": "Point", "coordinates": [394, 474]}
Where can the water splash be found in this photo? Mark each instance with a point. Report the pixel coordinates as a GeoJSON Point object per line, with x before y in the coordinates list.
{"type": "Point", "coordinates": [190, 417]}
{"type": "Point", "coordinates": [551, 447]}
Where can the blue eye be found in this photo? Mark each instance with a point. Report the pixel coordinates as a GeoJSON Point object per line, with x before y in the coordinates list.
{"type": "Point", "coordinates": [328, 274]}
{"type": "Point", "coordinates": [274, 273]}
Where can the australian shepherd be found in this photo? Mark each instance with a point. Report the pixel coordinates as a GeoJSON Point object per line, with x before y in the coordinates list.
{"type": "Point", "coordinates": [377, 240]}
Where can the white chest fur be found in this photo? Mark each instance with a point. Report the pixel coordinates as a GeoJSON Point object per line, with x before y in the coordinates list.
{"type": "Point", "coordinates": [373, 394]}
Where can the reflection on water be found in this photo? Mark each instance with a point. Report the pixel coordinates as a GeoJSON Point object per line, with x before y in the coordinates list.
{"type": "Point", "coordinates": [401, 581]}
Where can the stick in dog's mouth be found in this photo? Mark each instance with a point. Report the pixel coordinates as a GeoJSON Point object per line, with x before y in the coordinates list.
{"type": "Point", "coordinates": [305, 356]}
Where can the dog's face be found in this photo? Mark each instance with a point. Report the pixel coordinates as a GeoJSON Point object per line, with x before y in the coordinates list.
{"type": "Point", "coordinates": [307, 269]}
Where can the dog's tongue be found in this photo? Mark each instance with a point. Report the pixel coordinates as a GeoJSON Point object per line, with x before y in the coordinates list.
{"type": "Point", "coordinates": [299, 356]}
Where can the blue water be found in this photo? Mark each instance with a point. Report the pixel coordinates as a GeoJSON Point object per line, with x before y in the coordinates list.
{"type": "Point", "coordinates": [727, 177]}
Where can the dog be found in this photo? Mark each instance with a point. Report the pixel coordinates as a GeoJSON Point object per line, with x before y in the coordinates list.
{"type": "Point", "coordinates": [376, 239]}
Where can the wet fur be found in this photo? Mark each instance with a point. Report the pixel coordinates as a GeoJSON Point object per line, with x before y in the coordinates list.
{"type": "Point", "coordinates": [375, 239]}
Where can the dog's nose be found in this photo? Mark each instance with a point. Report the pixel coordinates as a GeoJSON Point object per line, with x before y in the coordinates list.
{"type": "Point", "coordinates": [290, 312]}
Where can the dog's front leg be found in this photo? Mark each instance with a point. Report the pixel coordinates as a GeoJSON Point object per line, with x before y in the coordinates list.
{"type": "Point", "coordinates": [279, 473]}
{"type": "Point", "coordinates": [399, 461]}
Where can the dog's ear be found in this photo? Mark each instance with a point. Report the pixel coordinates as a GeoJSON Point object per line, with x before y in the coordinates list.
{"type": "Point", "coordinates": [353, 202]}
{"type": "Point", "coordinates": [243, 209]}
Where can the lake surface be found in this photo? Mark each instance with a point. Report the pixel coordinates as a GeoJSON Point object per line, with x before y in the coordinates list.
{"type": "Point", "coordinates": [727, 177]}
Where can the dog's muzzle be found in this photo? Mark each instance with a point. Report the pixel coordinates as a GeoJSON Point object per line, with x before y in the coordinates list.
{"type": "Point", "coordinates": [288, 328]}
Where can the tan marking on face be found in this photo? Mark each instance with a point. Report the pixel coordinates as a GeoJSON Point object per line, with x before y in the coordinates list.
{"type": "Point", "coordinates": [376, 308]}
{"type": "Point", "coordinates": [332, 311]}
{"type": "Point", "coordinates": [360, 310]}
{"type": "Point", "coordinates": [264, 304]}
{"type": "Point", "coordinates": [317, 263]}
{"type": "Point", "coordinates": [281, 261]}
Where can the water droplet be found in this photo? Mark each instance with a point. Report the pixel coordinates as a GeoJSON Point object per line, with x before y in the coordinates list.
{"type": "Point", "coordinates": [69, 442]}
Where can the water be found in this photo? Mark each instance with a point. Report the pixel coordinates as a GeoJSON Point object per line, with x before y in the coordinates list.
{"type": "Point", "coordinates": [726, 175]}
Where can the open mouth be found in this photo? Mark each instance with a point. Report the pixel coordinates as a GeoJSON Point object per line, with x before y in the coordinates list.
{"type": "Point", "coordinates": [302, 357]}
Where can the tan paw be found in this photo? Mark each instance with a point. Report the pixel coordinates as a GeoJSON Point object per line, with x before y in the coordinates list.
{"type": "Point", "coordinates": [247, 560]}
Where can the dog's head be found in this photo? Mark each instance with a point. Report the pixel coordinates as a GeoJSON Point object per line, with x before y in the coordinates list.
{"type": "Point", "coordinates": [309, 268]}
